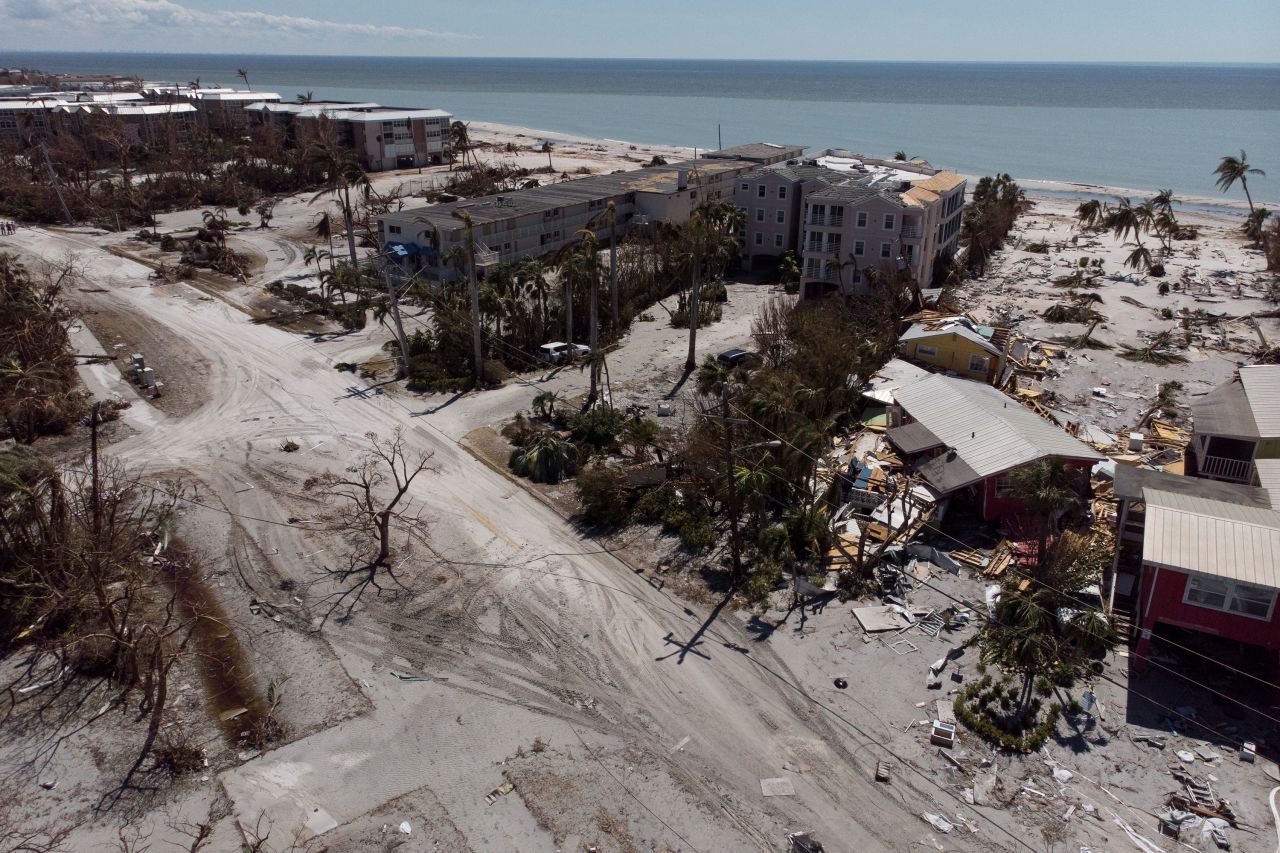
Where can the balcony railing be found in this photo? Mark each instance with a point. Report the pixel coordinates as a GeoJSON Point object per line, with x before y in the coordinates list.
{"type": "Point", "coordinates": [825, 219]}
{"type": "Point", "coordinates": [912, 232]}
{"type": "Point", "coordinates": [1235, 470]}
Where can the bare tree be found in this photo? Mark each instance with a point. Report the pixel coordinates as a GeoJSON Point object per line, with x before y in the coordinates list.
{"type": "Point", "coordinates": [362, 514]}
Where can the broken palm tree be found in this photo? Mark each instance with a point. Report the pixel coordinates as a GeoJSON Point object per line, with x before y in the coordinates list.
{"type": "Point", "coordinates": [1158, 350]}
{"type": "Point", "coordinates": [1085, 341]}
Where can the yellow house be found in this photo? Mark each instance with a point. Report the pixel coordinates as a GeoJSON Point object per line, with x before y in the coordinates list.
{"type": "Point", "coordinates": [953, 344]}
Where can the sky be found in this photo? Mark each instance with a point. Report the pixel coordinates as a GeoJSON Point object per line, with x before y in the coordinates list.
{"type": "Point", "coordinates": [956, 30]}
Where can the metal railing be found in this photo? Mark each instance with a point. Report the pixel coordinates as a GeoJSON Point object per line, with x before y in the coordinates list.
{"type": "Point", "coordinates": [912, 232]}
{"type": "Point", "coordinates": [825, 219]}
{"type": "Point", "coordinates": [1235, 470]}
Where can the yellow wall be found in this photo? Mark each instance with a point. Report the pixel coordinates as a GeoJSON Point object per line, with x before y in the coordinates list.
{"type": "Point", "coordinates": [953, 354]}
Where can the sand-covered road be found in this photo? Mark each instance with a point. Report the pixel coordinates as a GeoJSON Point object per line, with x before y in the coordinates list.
{"type": "Point", "coordinates": [539, 633]}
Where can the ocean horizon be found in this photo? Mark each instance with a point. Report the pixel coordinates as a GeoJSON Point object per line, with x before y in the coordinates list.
{"type": "Point", "coordinates": [1141, 126]}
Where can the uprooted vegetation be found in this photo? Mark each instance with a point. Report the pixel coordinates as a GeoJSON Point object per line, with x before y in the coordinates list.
{"type": "Point", "coordinates": [91, 607]}
{"type": "Point", "coordinates": [40, 392]}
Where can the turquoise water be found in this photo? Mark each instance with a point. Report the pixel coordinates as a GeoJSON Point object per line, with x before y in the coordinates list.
{"type": "Point", "coordinates": [1145, 127]}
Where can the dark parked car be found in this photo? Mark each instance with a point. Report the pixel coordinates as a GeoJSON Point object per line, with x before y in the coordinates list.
{"type": "Point", "coordinates": [738, 358]}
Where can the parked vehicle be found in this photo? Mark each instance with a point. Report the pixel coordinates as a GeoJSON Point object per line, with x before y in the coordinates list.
{"type": "Point", "coordinates": [738, 358]}
{"type": "Point", "coordinates": [558, 351]}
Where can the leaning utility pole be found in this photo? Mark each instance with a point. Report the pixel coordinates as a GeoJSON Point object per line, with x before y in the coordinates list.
{"type": "Point", "coordinates": [393, 306]}
{"type": "Point", "coordinates": [613, 266]}
{"type": "Point", "coordinates": [57, 187]}
{"type": "Point", "coordinates": [477, 352]}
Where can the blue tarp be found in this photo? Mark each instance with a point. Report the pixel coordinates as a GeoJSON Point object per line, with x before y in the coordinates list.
{"type": "Point", "coordinates": [400, 250]}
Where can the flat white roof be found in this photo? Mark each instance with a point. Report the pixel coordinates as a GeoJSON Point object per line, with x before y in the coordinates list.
{"type": "Point", "coordinates": [234, 95]}
{"type": "Point", "coordinates": [1211, 537]}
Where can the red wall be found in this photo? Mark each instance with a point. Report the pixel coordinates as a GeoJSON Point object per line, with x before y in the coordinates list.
{"type": "Point", "coordinates": [993, 507]}
{"type": "Point", "coordinates": [1167, 606]}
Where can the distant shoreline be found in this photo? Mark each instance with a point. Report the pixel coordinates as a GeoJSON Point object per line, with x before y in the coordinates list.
{"type": "Point", "coordinates": [1035, 188]}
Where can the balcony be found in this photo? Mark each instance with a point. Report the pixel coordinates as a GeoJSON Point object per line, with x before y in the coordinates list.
{"type": "Point", "coordinates": [912, 232]}
{"type": "Point", "coordinates": [825, 219]}
{"type": "Point", "coordinates": [1224, 468]}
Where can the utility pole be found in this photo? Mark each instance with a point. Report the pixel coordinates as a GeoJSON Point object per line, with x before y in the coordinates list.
{"type": "Point", "coordinates": [477, 353]}
{"type": "Point", "coordinates": [613, 265]}
{"type": "Point", "coordinates": [57, 187]}
{"type": "Point", "coordinates": [393, 304]}
{"type": "Point", "coordinates": [719, 140]}
{"type": "Point", "coordinates": [735, 546]}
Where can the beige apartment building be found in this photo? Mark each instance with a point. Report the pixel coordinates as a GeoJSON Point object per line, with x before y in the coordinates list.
{"type": "Point", "coordinates": [886, 216]}
{"type": "Point", "coordinates": [772, 199]}
{"type": "Point", "coordinates": [543, 220]}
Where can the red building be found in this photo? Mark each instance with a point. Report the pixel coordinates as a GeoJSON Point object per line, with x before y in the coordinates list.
{"type": "Point", "coordinates": [1203, 557]}
{"type": "Point", "coordinates": [966, 437]}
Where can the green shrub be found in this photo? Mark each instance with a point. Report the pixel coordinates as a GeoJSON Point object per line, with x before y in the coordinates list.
{"type": "Point", "coordinates": [1038, 248]}
{"type": "Point", "coordinates": [602, 491]}
{"type": "Point", "coordinates": [697, 534]}
{"type": "Point", "coordinates": [346, 366]}
{"type": "Point", "coordinates": [494, 372]}
{"type": "Point", "coordinates": [545, 458]}
{"type": "Point", "coordinates": [765, 577]}
{"type": "Point", "coordinates": [774, 543]}
{"type": "Point", "coordinates": [597, 428]}
{"type": "Point", "coordinates": [655, 503]}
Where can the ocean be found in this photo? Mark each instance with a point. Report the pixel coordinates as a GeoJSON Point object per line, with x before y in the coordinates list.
{"type": "Point", "coordinates": [1139, 126]}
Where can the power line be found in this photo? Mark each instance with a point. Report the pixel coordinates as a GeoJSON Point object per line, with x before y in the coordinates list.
{"type": "Point", "coordinates": [1179, 673]}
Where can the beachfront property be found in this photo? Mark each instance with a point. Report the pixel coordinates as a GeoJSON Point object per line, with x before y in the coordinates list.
{"type": "Point", "coordinates": [956, 345]}
{"type": "Point", "coordinates": [151, 125]}
{"type": "Point", "coordinates": [886, 215]}
{"type": "Point", "coordinates": [382, 138]}
{"type": "Point", "coordinates": [36, 117]}
{"type": "Point", "coordinates": [543, 220]}
{"type": "Point", "coordinates": [967, 438]}
{"type": "Point", "coordinates": [224, 112]}
{"type": "Point", "coordinates": [772, 199]}
{"type": "Point", "coordinates": [1237, 430]}
{"type": "Point", "coordinates": [1196, 564]}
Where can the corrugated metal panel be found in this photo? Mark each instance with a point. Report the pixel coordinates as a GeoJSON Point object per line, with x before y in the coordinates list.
{"type": "Point", "coordinates": [1211, 537]}
{"type": "Point", "coordinates": [1262, 386]}
{"type": "Point", "coordinates": [988, 430]}
{"type": "Point", "coordinates": [1269, 477]}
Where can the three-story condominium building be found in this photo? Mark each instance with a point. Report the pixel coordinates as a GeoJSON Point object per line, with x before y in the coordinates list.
{"type": "Point", "coordinates": [886, 216]}
{"type": "Point", "coordinates": [772, 199]}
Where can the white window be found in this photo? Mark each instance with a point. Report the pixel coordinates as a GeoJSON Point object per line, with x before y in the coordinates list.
{"type": "Point", "coordinates": [393, 229]}
{"type": "Point", "coordinates": [759, 239]}
{"type": "Point", "coordinates": [859, 247]}
{"type": "Point", "coordinates": [978, 363]}
{"type": "Point", "coordinates": [1256, 602]}
{"type": "Point", "coordinates": [862, 219]}
{"type": "Point", "coordinates": [760, 191]}
{"type": "Point", "coordinates": [777, 241]}
{"type": "Point", "coordinates": [889, 221]}
{"type": "Point", "coordinates": [759, 214]}
{"type": "Point", "coordinates": [782, 217]}
{"type": "Point", "coordinates": [782, 192]}
{"type": "Point", "coordinates": [1004, 486]}
{"type": "Point", "coordinates": [746, 187]}
{"type": "Point", "coordinates": [926, 351]}
{"type": "Point", "coordinates": [886, 250]}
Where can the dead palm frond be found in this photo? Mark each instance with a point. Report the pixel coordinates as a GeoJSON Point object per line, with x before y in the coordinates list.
{"type": "Point", "coordinates": [1157, 351]}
